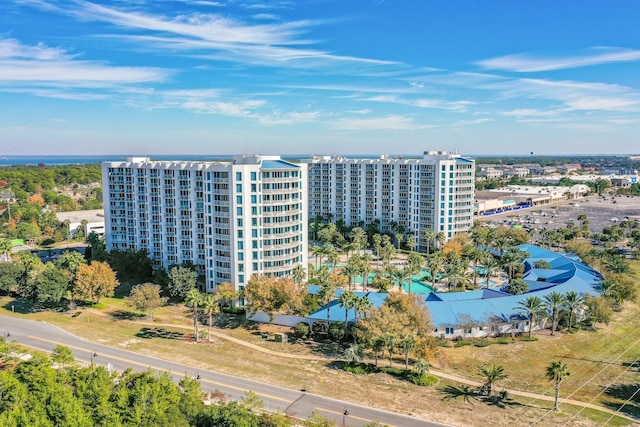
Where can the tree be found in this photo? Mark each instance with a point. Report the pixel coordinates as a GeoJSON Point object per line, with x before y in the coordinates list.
{"type": "Point", "coordinates": [532, 306]}
{"type": "Point", "coordinates": [271, 295]}
{"type": "Point", "coordinates": [358, 238]}
{"type": "Point", "coordinates": [98, 248]}
{"type": "Point", "coordinates": [62, 355]}
{"type": "Point", "coordinates": [210, 306]}
{"type": "Point", "coordinates": [353, 354]}
{"type": "Point", "coordinates": [48, 287]}
{"type": "Point", "coordinates": [181, 281]}
{"type": "Point", "coordinates": [146, 297]}
{"type": "Point", "coordinates": [226, 293]}
{"type": "Point", "coordinates": [491, 373]}
{"type": "Point", "coordinates": [554, 302]}
{"type": "Point", "coordinates": [556, 372]}
{"type": "Point", "coordinates": [516, 287]}
{"type": "Point", "coordinates": [10, 272]}
{"type": "Point", "coordinates": [95, 281]}
{"type": "Point", "coordinates": [435, 266]}
{"type": "Point", "coordinates": [326, 295]}
{"type": "Point", "coordinates": [422, 366]}
{"type": "Point", "coordinates": [299, 273]}
{"type": "Point", "coordinates": [402, 317]}
{"type": "Point", "coordinates": [347, 300]}
{"type": "Point", "coordinates": [429, 235]}
{"type": "Point", "coordinates": [573, 302]}
{"type": "Point", "coordinates": [193, 299]}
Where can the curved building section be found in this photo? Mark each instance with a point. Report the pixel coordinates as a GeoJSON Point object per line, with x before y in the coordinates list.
{"type": "Point", "coordinates": [230, 219]}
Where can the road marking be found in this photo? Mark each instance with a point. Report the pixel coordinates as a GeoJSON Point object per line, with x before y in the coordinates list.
{"type": "Point", "coordinates": [350, 416]}
{"type": "Point", "coordinates": [163, 370]}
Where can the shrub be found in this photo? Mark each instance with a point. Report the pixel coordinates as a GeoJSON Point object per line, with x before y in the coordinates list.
{"type": "Point", "coordinates": [462, 343]}
{"type": "Point", "coordinates": [360, 368]}
{"type": "Point", "coordinates": [482, 343]}
{"type": "Point", "coordinates": [423, 380]}
{"type": "Point", "coordinates": [502, 341]}
{"type": "Point", "coordinates": [233, 310]}
{"type": "Point", "coordinates": [526, 338]}
{"type": "Point", "coordinates": [99, 306]}
{"type": "Point", "coordinates": [443, 343]}
{"type": "Point", "coordinates": [301, 329]}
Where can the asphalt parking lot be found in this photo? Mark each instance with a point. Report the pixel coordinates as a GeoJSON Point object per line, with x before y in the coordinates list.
{"type": "Point", "coordinates": [600, 212]}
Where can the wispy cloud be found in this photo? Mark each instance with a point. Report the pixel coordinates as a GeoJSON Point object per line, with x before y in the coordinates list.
{"type": "Point", "coordinates": [390, 122]}
{"type": "Point", "coordinates": [527, 63]}
{"type": "Point", "coordinates": [216, 36]}
{"type": "Point", "coordinates": [42, 65]}
{"type": "Point", "coordinates": [423, 102]}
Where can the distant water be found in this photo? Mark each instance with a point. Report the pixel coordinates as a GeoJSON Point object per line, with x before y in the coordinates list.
{"type": "Point", "coordinates": [72, 160]}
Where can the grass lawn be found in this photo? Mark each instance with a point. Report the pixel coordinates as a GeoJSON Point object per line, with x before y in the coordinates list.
{"type": "Point", "coordinates": [596, 359]}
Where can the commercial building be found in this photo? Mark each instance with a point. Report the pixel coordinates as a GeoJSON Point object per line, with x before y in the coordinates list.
{"type": "Point", "coordinates": [91, 221]}
{"type": "Point", "coordinates": [434, 192]}
{"type": "Point", "coordinates": [230, 219]}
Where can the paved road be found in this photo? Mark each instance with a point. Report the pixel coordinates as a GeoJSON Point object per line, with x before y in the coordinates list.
{"type": "Point", "coordinates": [44, 337]}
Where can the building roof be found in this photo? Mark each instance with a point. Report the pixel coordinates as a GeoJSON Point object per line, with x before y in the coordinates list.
{"type": "Point", "coordinates": [567, 273]}
{"type": "Point", "coordinates": [94, 215]}
{"type": "Point", "coordinates": [278, 164]}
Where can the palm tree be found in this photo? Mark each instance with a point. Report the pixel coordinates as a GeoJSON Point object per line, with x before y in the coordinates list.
{"type": "Point", "coordinates": [193, 299]}
{"type": "Point", "coordinates": [440, 238]}
{"type": "Point", "coordinates": [5, 249]}
{"type": "Point", "coordinates": [421, 366]}
{"type": "Point", "coordinates": [358, 238]}
{"type": "Point", "coordinates": [491, 373]}
{"type": "Point", "coordinates": [350, 270]}
{"type": "Point", "coordinates": [556, 372]}
{"type": "Point", "coordinates": [317, 251]}
{"type": "Point", "coordinates": [365, 269]}
{"type": "Point", "coordinates": [210, 305]}
{"type": "Point", "coordinates": [434, 266]}
{"type": "Point", "coordinates": [377, 245]}
{"type": "Point", "coordinates": [346, 300]}
{"type": "Point", "coordinates": [333, 256]}
{"type": "Point", "coordinates": [531, 305]}
{"type": "Point", "coordinates": [361, 305]}
{"type": "Point", "coordinates": [403, 275]}
{"type": "Point", "coordinates": [327, 294]}
{"type": "Point", "coordinates": [353, 354]}
{"type": "Point", "coordinates": [573, 301]}
{"type": "Point", "coordinates": [476, 255]}
{"type": "Point", "coordinates": [554, 302]}
{"type": "Point", "coordinates": [513, 258]}
{"type": "Point", "coordinates": [299, 273]}
{"type": "Point", "coordinates": [491, 265]}
{"type": "Point", "coordinates": [411, 243]}
{"type": "Point", "coordinates": [429, 235]}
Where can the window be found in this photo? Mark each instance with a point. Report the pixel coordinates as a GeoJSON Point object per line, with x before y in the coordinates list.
{"type": "Point", "coordinates": [239, 222]}
{"type": "Point", "coordinates": [238, 176]}
{"type": "Point", "coordinates": [239, 188]}
{"type": "Point", "coordinates": [240, 245]}
{"type": "Point", "coordinates": [254, 199]}
{"type": "Point", "coordinates": [240, 256]}
{"type": "Point", "coordinates": [239, 210]}
{"type": "Point", "coordinates": [239, 200]}
{"type": "Point", "coordinates": [253, 176]}
{"type": "Point", "coordinates": [240, 278]}
{"type": "Point", "coordinates": [239, 234]}
{"type": "Point", "coordinates": [254, 232]}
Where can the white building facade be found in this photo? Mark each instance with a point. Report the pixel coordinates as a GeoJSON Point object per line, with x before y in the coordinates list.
{"type": "Point", "coordinates": [230, 219]}
{"type": "Point", "coordinates": [435, 192]}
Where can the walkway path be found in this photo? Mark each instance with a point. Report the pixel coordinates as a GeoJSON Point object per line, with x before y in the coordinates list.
{"type": "Point", "coordinates": [437, 373]}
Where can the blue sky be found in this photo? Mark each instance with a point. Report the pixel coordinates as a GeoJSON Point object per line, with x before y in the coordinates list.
{"type": "Point", "coordinates": [319, 76]}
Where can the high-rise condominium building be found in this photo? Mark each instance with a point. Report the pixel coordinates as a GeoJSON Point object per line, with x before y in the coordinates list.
{"type": "Point", "coordinates": [432, 193]}
{"type": "Point", "coordinates": [230, 219]}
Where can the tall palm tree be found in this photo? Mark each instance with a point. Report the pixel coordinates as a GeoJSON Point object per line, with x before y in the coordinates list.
{"type": "Point", "coordinates": [351, 270]}
{"type": "Point", "coordinates": [435, 265]}
{"type": "Point", "coordinates": [403, 275]}
{"type": "Point", "coordinates": [491, 373]}
{"type": "Point", "coordinates": [299, 273]}
{"type": "Point", "coordinates": [377, 245]}
{"type": "Point", "coordinates": [429, 235]}
{"type": "Point", "coordinates": [477, 256]}
{"type": "Point", "coordinates": [326, 295]}
{"type": "Point", "coordinates": [554, 302]}
{"type": "Point", "coordinates": [358, 238]}
{"type": "Point", "coordinates": [210, 306]}
{"type": "Point", "coordinates": [361, 305]}
{"type": "Point", "coordinates": [532, 306]}
{"type": "Point", "coordinates": [573, 302]}
{"type": "Point", "coordinates": [440, 238]}
{"type": "Point", "coordinates": [556, 372]}
{"type": "Point", "coordinates": [193, 299]}
{"type": "Point", "coordinates": [347, 301]}
{"type": "Point", "coordinates": [365, 269]}
{"type": "Point", "coordinates": [491, 265]}
{"type": "Point", "coordinates": [333, 256]}
{"type": "Point", "coordinates": [513, 258]}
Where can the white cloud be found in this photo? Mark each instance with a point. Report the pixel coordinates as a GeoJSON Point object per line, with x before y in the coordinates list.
{"type": "Point", "coordinates": [526, 63]}
{"type": "Point", "coordinates": [390, 122]}
{"type": "Point", "coordinates": [422, 103]}
{"type": "Point", "coordinates": [529, 112]}
{"type": "Point", "coordinates": [42, 65]}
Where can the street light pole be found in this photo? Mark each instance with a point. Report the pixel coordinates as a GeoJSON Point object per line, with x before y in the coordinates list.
{"type": "Point", "coordinates": [345, 414]}
{"type": "Point", "coordinates": [92, 355]}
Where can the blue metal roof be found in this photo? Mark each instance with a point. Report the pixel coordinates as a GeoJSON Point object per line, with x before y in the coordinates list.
{"type": "Point", "coordinates": [278, 164]}
{"type": "Point", "coordinates": [490, 305]}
